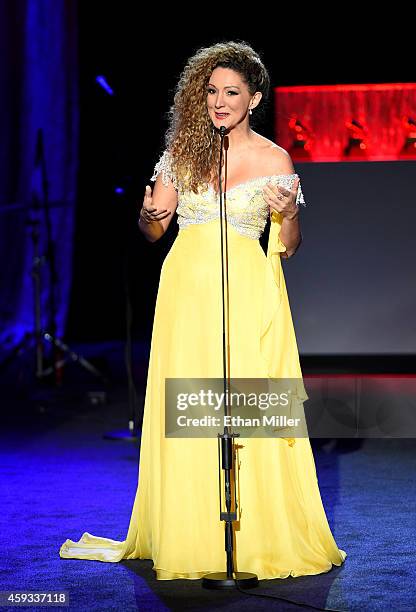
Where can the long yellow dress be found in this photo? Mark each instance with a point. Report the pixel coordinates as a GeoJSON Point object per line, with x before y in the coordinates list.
{"type": "Point", "coordinates": [282, 529]}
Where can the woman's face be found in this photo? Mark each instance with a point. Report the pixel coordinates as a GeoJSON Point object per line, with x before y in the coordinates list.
{"type": "Point", "coordinates": [228, 98]}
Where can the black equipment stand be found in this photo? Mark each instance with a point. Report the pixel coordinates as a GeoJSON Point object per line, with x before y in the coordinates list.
{"type": "Point", "coordinates": [230, 578]}
{"type": "Point", "coordinates": [36, 338]}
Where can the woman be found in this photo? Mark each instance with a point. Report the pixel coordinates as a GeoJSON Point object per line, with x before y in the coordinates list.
{"type": "Point", "coordinates": [282, 528]}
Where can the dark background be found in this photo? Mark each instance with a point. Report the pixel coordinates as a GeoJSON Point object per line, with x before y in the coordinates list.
{"type": "Point", "coordinates": [122, 136]}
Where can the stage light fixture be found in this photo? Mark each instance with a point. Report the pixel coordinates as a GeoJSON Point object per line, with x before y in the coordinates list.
{"type": "Point", "coordinates": [357, 139]}
{"type": "Point", "coordinates": [409, 144]}
{"type": "Point", "coordinates": [301, 138]}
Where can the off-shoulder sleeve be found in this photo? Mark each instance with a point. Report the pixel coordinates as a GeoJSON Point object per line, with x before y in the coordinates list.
{"type": "Point", "coordinates": [287, 181]}
{"type": "Point", "coordinates": [299, 197]}
{"type": "Point", "coordinates": [164, 167]}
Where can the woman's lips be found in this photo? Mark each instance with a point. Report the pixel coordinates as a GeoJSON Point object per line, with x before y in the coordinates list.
{"type": "Point", "coordinates": [221, 115]}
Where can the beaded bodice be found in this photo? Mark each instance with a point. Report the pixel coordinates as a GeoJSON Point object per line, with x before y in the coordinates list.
{"type": "Point", "coordinates": [245, 206]}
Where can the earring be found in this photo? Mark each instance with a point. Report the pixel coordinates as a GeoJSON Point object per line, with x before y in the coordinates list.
{"type": "Point", "coordinates": [250, 111]}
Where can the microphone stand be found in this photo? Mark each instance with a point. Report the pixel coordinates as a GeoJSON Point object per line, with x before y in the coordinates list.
{"type": "Point", "coordinates": [230, 578]}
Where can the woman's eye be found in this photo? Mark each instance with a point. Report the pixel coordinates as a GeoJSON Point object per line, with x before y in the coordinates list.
{"type": "Point", "coordinates": [230, 93]}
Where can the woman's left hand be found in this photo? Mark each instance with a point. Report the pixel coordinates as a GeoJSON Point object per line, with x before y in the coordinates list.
{"type": "Point", "coordinates": [281, 199]}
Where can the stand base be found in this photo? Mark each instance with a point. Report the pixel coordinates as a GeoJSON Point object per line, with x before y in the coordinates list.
{"type": "Point", "coordinates": [219, 580]}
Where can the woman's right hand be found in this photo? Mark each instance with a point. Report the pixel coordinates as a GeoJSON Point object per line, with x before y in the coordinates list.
{"type": "Point", "coordinates": [148, 212]}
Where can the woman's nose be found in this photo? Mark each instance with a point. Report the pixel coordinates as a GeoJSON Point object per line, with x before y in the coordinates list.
{"type": "Point", "coordinates": [219, 101]}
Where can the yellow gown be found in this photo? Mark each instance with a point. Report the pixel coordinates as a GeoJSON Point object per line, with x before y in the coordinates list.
{"type": "Point", "coordinates": [282, 528]}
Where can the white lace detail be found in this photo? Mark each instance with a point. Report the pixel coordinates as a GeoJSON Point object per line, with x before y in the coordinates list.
{"type": "Point", "coordinates": [246, 208]}
{"type": "Point", "coordinates": [164, 166]}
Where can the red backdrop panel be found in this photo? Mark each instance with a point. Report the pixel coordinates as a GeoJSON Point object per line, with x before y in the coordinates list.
{"type": "Point", "coordinates": [347, 122]}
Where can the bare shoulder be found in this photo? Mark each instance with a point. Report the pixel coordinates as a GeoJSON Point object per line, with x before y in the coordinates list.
{"type": "Point", "coordinates": [278, 160]}
{"type": "Point", "coordinates": [274, 159]}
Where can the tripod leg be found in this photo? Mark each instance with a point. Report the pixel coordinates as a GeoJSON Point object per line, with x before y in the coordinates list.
{"type": "Point", "coordinates": [75, 356]}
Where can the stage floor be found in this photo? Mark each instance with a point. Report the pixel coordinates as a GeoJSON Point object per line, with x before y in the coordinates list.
{"type": "Point", "coordinates": [61, 477]}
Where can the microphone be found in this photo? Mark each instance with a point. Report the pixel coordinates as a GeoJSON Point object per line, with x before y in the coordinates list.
{"type": "Point", "coordinates": [223, 130]}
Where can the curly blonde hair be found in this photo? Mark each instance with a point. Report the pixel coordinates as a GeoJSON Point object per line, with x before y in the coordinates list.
{"type": "Point", "coordinates": [191, 139]}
